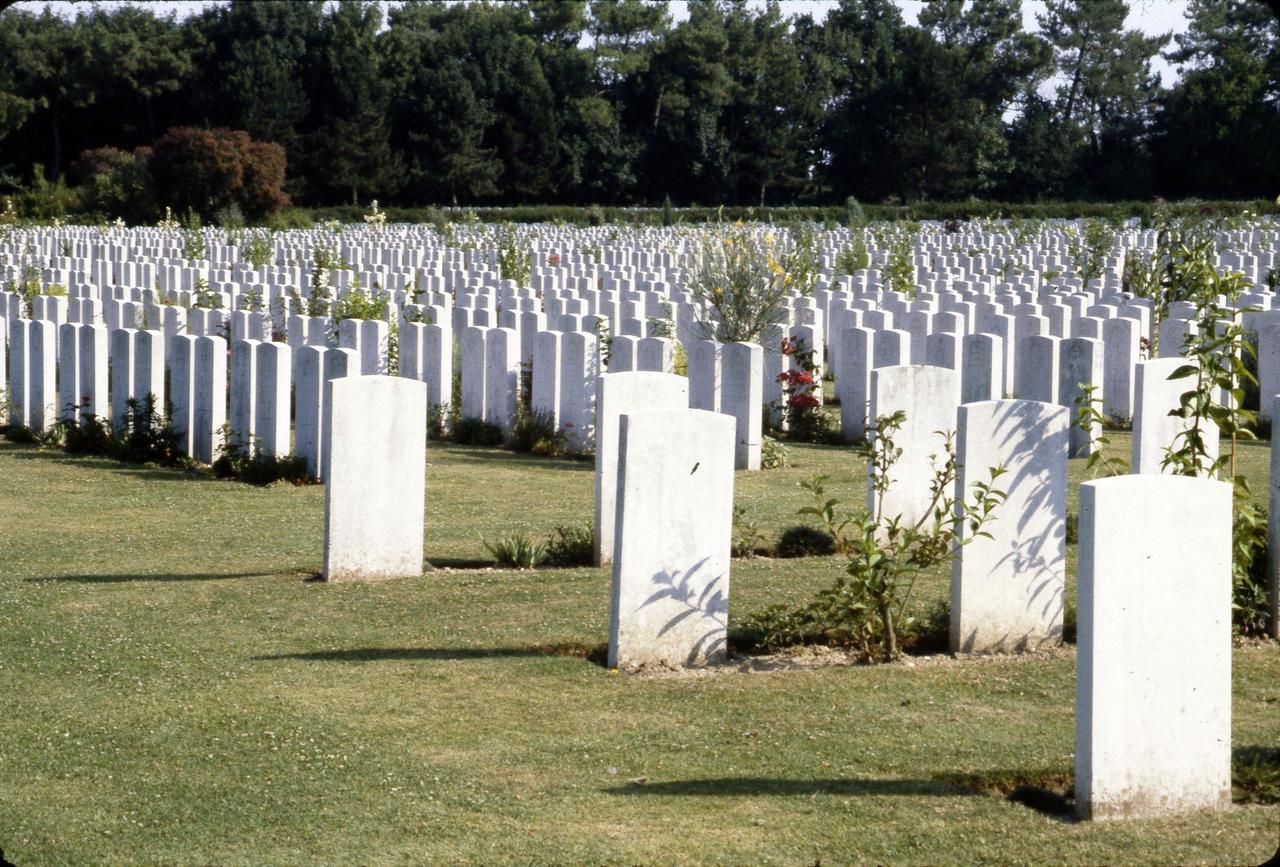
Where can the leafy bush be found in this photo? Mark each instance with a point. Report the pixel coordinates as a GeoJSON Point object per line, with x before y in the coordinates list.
{"type": "Point", "coordinates": [44, 200]}
{"type": "Point", "coordinates": [206, 170]}
{"type": "Point", "coordinates": [116, 183]}
{"type": "Point", "coordinates": [516, 550]}
{"type": "Point", "coordinates": [570, 546]}
{"type": "Point", "coordinates": [358, 304]}
{"type": "Point", "coordinates": [747, 538]}
{"type": "Point", "coordinates": [773, 454]}
{"type": "Point", "coordinates": [250, 466]}
{"type": "Point", "coordinates": [534, 431]}
{"type": "Point", "coordinates": [853, 257]}
{"type": "Point", "coordinates": [1255, 775]}
{"type": "Point", "coordinates": [804, 541]}
{"type": "Point", "coordinates": [866, 608]}
{"type": "Point", "coordinates": [740, 284]}
{"type": "Point", "coordinates": [469, 431]}
{"type": "Point", "coordinates": [149, 437]}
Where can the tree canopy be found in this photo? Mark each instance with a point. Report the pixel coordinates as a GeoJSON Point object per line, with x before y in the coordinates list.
{"type": "Point", "coordinates": [614, 102]}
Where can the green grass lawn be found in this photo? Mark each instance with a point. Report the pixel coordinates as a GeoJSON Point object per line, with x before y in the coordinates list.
{"type": "Point", "coordinates": [176, 691]}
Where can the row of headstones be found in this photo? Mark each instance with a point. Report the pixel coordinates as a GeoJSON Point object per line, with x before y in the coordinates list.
{"type": "Point", "coordinates": [391, 245]}
{"type": "Point", "coordinates": [933, 251]}
{"type": "Point", "coordinates": [670, 600]}
{"type": "Point", "coordinates": [78, 372]}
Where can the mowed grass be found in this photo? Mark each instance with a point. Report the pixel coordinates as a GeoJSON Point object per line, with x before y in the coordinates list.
{"type": "Point", "coordinates": [176, 691]}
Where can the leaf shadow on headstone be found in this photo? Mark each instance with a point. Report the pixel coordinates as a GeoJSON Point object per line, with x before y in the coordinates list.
{"type": "Point", "coordinates": [1031, 557]}
{"type": "Point", "coordinates": [709, 603]}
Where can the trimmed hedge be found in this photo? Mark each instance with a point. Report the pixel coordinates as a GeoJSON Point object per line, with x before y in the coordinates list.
{"type": "Point", "coordinates": [936, 211]}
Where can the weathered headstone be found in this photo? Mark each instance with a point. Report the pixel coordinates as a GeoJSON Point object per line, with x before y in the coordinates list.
{"type": "Point", "coordinates": [741, 396]}
{"type": "Point", "coordinates": [1154, 430]}
{"type": "Point", "coordinates": [929, 397]}
{"type": "Point", "coordinates": [375, 453]}
{"type": "Point", "coordinates": [1079, 364]}
{"type": "Point", "coordinates": [618, 394]}
{"type": "Point", "coordinates": [1153, 685]}
{"type": "Point", "coordinates": [1007, 587]}
{"type": "Point", "coordinates": [674, 521]}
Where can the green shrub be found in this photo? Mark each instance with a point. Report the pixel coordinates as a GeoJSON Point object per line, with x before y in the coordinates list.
{"type": "Point", "coordinates": [1255, 775]}
{"type": "Point", "coordinates": [853, 257]}
{"type": "Point", "coordinates": [534, 432]}
{"type": "Point", "coordinates": [205, 170]}
{"type": "Point", "coordinates": [516, 550]}
{"type": "Point", "coordinates": [747, 538]}
{"type": "Point", "coordinates": [116, 183]}
{"type": "Point", "coordinates": [804, 541]}
{"type": "Point", "coordinates": [773, 454]}
{"type": "Point", "coordinates": [570, 546]}
{"type": "Point", "coordinates": [468, 431]}
{"type": "Point", "coordinates": [44, 200]}
{"type": "Point", "coordinates": [248, 465]}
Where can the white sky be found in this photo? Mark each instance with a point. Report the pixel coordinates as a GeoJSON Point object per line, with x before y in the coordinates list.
{"type": "Point", "coordinates": [1150, 16]}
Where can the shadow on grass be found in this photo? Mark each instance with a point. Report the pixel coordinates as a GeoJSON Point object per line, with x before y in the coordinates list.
{"type": "Point", "coordinates": [494, 456]}
{"type": "Point", "coordinates": [772, 787]}
{"type": "Point", "coordinates": [123, 578]}
{"type": "Point", "coordinates": [460, 563]}
{"type": "Point", "coordinates": [151, 472]}
{"type": "Point", "coordinates": [594, 653]}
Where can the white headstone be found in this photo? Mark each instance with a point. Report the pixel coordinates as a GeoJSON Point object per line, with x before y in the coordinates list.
{"type": "Point", "coordinates": [741, 396]}
{"type": "Point", "coordinates": [1154, 430]}
{"type": "Point", "coordinates": [674, 521]}
{"type": "Point", "coordinates": [1153, 685]}
{"type": "Point", "coordinates": [619, 394]}
{"type": "Point", "coordinates": [929, 397]}
{"type": "Point", "coordinates": [1007, 589]}
{"type": "Point", "coordinates": [375, 453]}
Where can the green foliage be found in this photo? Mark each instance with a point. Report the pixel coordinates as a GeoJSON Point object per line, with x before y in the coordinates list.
{"type": "Point", "coordinates": [147, 436]}
{"type": "Point", "coordinates": [853, 257]}
{"type": "Point", "coordinates": [740, 283]}
{"type": "Point", "coordinates": [865, 608]}
{"type": "Point", "coordinates": [193, 244]}
{"type": "Point", "coordinates": [116, 183]}
{"type": "Point", "coordinates": [469, 431]}
{"type": "Point", "coordinates": [534, 432]}
{"type": "Point", "coordinates": [514, 260]}
{"type": "Point", "coordinates": [747, 539]}
{"type": "Point", "coordinates": [358, 304]}
{"type": "Point", "coordinates": [855, 215]}
{"type": "Point", "coordinates": [251, 466]}
{"type": "Point", "coordinates": [804, 541]}
{"type": "Point", "coordinates": [900, 273]}
{"type": "Point", "coordinates": [1216, 365]}
{"type": "Point", "coordinates": [1255, 775]}
{"type": "Point", "coordinates": [259, 248]}
{"type": "Point", "coordinates": [1090, 247]}
{"type": "Point", "coordinates": [45, 200]}
{"type": "Point", "coordinates": [567, 547]}
{"type": "Point", "coordinates": [516, 550]}
{"type": "Point", "coordinates": [206, 297]}
{"type": "Point", "coordinates": [773, 454]}
{"type": "Point", "coordinates": [1089, 418]}
{"type": "Point", "coordinates": [229, 217]}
